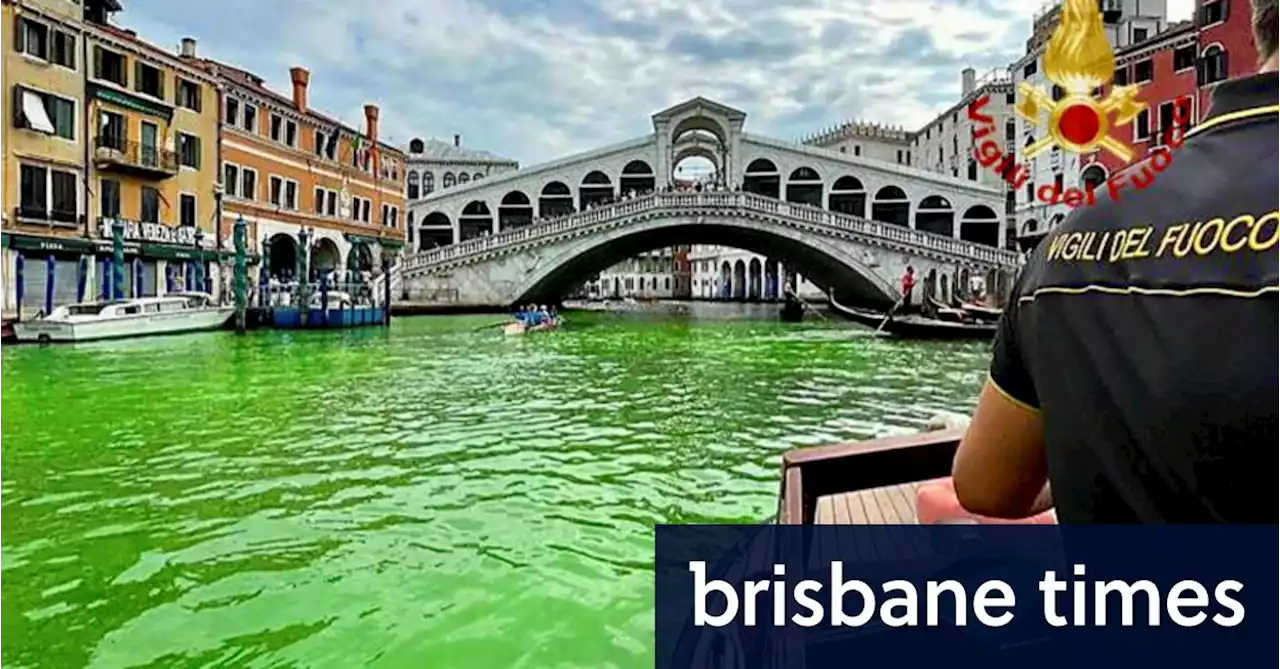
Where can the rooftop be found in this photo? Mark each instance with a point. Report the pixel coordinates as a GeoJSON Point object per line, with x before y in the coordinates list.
{"type": "Point", "coordinates": [435, 149]}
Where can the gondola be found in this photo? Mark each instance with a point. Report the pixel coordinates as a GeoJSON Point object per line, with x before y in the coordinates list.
{"type": "Point", "coordinates": [981, 312]}
{"type": "Point", "coordinates": [915, 327]}
{"type": "Point", "coordinates": [792, 311]}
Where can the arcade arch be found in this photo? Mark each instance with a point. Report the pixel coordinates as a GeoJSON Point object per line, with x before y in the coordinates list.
{"type": "Point", "coordinates": [891, 206]}
{"type": "Point", "coordinates": [804, 186]}
{"type": "Point", "coordinates": [596, 188]}
{"type": "Point", "coordinates": [981, 225]}
{"type": "Point", "coordinates": [762, 178]}
{"type": "Point", "coordinates": [555, 200]}
{"type": "Point", "coordinates": [848, 196]}
{"type": "Point", "coordinates": [282, 255]}
{"type": "Point", "coordinates": [325, 257]}
{"type": "Point", "coordinates": [935, 214]}
{"type": "Point", "coordinates": [475, 221]}
{"type": "Point", "coordinates": [637, 177]}
{"type": "Point", "coordinates": [515, 211]}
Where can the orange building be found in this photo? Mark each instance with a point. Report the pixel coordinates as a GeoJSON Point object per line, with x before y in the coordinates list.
{"type": "Point", "coordinates": [288, 169]}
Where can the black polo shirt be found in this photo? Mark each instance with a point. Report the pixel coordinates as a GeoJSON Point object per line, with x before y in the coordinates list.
{"type": "Point", "coordinates": [1144, 330]}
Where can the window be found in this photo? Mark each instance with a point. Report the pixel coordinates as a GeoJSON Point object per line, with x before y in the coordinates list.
{"type": "Point", "coordinates": [1142, 71]}
{"type": "Point", "coordinates": [319, 200]}
{"type": "Point", "coordinates": [355, 208]}
{"type": "Point", "coordinates": [428, 183]}
{"type": "Point", "coordinates": [48, 194]}
{"type": "Point", "coordinates": [1057, 182]}
{"type": "Point", "coordinates": [188, 150]}
{"type": "Point", "coordinates": [1121, 76]}
{"type": "Point", "coordinates": [187, 210]}
{"type": "Point", "coordinates": [448, 180]}
{"type": "Point", "coordinates": [291, 195]}
{"type": "Point", "coordinates": [464, 178]}
{"type": "Point", "coordinates": [857, 150]}
{"type": "Point", "coordinates": [1029, 70]}
{"type": "Point", "coordinates": [47, 113]}
{"type": "Point", "coordinates": [973, 170]}
{"type": "Point", "coordinates": [899, 156]}
{"type": "Point", "coordinates": [364, 214]}
{"type": "Point", "coordinates": [291, 133]}
{"type": "Point", "coordinates": [1213, 66]}
{"type": "Point", "coordinates": [1139, 35]}
{"type": "Point", "coordinates": [109, 66]}
{"type": "Point", "coordinates": [32, 38]}
{"type": "Point", "coordinates": [1010, 130]}
{"type": "Point", "coordinates": [251, 118]}
{"type": "Point", "coordinates": [111, 130]}
{"type": "Point", "coordinates": [1213, 12]}
{"type": "Point", "coordinates": [149, 79]}
{"type": "Point", "coordinates": [248, 183]}
{"type": "Point", "coordinates": [230, 179]}
{"type": "Point", "coordinates": [277, 190]}
{"type": "Point", "coordinates": [108, 198]}
{"type": "Point", "coordinates": [386, 214]}
{"type": "Point", "coordinates": [1142, 125]}
{"type": "Point", "coordinates": [1184, 57]}
{"type": "Point", "coordinates": [331, 207]}
{"type": "Point", "coordinates": [189, 95]}
{"type": "Point", "coordinates": [413, 186]}
{"type": "Point", "coordinates": [277, 128]}
{"type": "Point", "coordinates": [150, 206]}
{"type": "Point", "coordinates": [1031, 192]}
{"type": "Point", "coordinates": [33, 193]}
{"type": "Point", "coordinates": [1009, 98]}
{"type": "Point", "coordinates": [319, 143]}
{"type": "Point", "coordinates": [395, 217]}
{"type": "Point", "coordinates": [231, 112]}
{"type": "Point", "coordinates": [1164, 121]}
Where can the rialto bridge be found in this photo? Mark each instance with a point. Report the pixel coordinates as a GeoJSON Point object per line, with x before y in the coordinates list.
{"type": "Point", "coordinates": [851, 224]}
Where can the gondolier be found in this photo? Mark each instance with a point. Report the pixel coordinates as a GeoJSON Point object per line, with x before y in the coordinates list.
{"type": "Point", "coordinates": [1141, 379]}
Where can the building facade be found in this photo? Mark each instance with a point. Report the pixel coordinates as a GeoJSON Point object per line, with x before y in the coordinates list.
{"type": "Point", "coordinates": [434, 164]}
{"type": "Point", "coordinates": [1225, 40]}
{"type": "Point", "coordinates": [722, 273]}
{"type": "Point", "coordinates": [317, 194]}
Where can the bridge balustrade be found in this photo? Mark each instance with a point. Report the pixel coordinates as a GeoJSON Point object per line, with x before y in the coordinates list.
{"type": "Point", "coordinates": [720, 201]}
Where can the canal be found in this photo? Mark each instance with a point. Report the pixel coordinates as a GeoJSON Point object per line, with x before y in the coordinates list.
{"type": "Point", "coordinates": [432, 495]}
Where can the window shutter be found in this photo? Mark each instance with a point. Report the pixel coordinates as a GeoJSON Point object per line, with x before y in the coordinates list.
{"type": "Point", "coordinates": [71, 51]}
{"type": "Point", "coordinates": [1226, 9]}
{"type": "Point", "coordinates": [1200, 71]}
{"type": "Point", "coordinates": [137, 74]}
{"type": "Point", "coordinates": [97, 62]}
{"type": "Point", "coordinates": [160, 80]}
{"type": "Point", "coordinates": [19, 35]}
{"type": "Point", "coordinates": [195, 149]}
{"type": "Point", "coordinates": [18, 120]}
{"type": "Point", "coordinates": [1224, 70]}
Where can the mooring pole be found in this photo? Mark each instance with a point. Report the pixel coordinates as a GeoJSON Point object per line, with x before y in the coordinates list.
{"type": "Point", "coordinates": [386, 289]}
{"type": "Point", "coordinates": [240, 279]}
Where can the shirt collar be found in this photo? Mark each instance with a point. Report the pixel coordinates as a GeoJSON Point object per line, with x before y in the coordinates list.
{"type": "Point", "coordinates": [1244, 93]}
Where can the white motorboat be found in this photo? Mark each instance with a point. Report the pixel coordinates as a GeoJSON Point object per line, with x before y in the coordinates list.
{"type": "Point", "coordinates": [337, 299]}
{"type": "Point", "coordinates": [139, 317]}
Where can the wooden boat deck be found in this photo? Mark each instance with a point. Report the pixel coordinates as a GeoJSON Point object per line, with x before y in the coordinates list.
{"type": "Point", "coordinates": [886, 505]}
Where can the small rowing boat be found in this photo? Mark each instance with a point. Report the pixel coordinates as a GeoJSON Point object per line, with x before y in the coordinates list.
{"type": "Point", "coordinates": [915, 327]}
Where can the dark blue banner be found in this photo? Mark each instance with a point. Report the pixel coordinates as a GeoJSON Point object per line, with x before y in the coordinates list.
{"type": "Point", "coordinates": [944, 596]}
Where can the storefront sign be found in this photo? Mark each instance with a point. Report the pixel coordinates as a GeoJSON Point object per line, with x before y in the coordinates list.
{"type": "Point", "coordinates": [154, 233]}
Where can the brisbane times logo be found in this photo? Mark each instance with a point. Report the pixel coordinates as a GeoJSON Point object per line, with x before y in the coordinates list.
{"type": "Point", "coordinates": [1078, 58]}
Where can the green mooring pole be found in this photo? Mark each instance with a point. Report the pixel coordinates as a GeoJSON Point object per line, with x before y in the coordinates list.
{"type": "Point", "coordinates": [240, 278]}
{"type": "Point", "coordinates": [117, 260]}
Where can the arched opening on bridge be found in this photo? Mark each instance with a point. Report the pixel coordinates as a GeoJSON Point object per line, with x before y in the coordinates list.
{"type": "Point", "coordinates": [755, 279]}
{"type": "Point", "coordinates": [436, 230]}
{"type": "Point", "coordinates": [430, 238]}
{"type": "Point", "coordinates": [931, 284]}
{"type": "Point", "coordinates": [637, 178]}
{"type": "Point", "coordinates": [515, 211]}
{"type": "Point", "coordinates": [449, 180]}
{"type": "Point", "coordinates": [804, 186]}
{"type": "Point", "coordinates": [724, 289]}
{"type": "Point", "coordinates": [702, 130]}
{"type": "Point", "coordinates": [596, 188]}
{"type": "Point", "coordinates": [935, 214]}
{"type": "Point", "coordinates": [325, 257]}
{"type": "Point", "coordinates": [359, 258]}
{"type": "Point", "coordinates": [477, 176]}
{"type": "Point", "coordinates": [464, 178]}
{"type": "Point", "coordinates": [964, 285]}
{"type": "Point", "coordinates": [282, 260]}
{"type": "Point", "coordinates": [944, 290]}
{"type": "Point", "coordinates": [693, 171]}
{"type": "Point", "coordinates": [848, 196]}
{"type": "Point", "coordinates": [762, 178]}
{"type": "Point", "coordinates": [413, 185]}
{"type": "Point", "coordinates": [739, 280]}
{"type": "Point", "coordinates": [475, 221]}
{"type": "Point", "coordinates": [556, 200]}
{"type": "Point", "coordinates": [891, 206]}
{"type": "Point", "coordinates": [1055, 221]}
{"type": "Point", "coordinates": [980, 225]}
{"type": "Point", "coordinates": [409, 228]}
{"type": "Point", "coordinates": [771, 290]}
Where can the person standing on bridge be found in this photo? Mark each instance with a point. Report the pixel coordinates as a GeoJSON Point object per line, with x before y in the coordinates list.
{"type": "Point", "coordinates": [1142, 384]}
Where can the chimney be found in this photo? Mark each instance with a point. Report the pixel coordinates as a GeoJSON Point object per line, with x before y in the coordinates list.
{"type": "Point", "coordinates": [457, 140]}
{"type": "Point", "coordinates": [968, 81]}
{"type": "Point", "coordinates": [188, 47]}
{"type": "Point", "coordinates": [301, 77]}
{"type": "Point", "coordinates": [371, 122]}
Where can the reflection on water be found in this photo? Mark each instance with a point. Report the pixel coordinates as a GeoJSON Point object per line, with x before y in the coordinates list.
{"type": "Point", "coordinates": [430, 495]}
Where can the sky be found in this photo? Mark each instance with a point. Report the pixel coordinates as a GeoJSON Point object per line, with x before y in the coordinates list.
{"type": "Point", "coordinates": [535, 80]}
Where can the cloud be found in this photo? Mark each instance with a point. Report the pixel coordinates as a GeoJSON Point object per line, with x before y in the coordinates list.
{"type": "Point", "coordinates": [539, 79]}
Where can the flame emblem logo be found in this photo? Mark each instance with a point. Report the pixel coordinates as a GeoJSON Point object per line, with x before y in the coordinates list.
{"type": "Point", "coordinates": [1079, 59]}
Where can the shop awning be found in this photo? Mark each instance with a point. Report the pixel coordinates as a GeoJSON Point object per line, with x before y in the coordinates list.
{"type": "Point", "coordinates": [53, 244]}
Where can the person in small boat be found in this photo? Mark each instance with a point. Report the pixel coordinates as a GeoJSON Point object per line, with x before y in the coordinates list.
{"type": "Point", "coordinates": [908, 284]}
{"type": "Point", "coordinates": [1143, 388]}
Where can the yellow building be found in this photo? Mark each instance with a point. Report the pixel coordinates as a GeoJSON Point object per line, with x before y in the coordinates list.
{"type": "Point", "coordinates": [45, 230]}
{"type": "Point", "coordinates": [152, 124]}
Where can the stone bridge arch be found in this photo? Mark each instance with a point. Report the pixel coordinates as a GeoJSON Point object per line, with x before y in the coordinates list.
{"type": "Point", "coordinates": [850, 274]}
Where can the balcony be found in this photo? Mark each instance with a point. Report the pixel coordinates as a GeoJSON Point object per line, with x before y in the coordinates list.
{"type": "Point", "coordinates": [119, 155]}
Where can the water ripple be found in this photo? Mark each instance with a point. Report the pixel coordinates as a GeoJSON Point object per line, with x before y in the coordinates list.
{"type": "Point", "coordinates": [429, 495]}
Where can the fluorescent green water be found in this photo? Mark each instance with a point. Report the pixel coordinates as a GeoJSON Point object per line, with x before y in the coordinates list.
{"type": "Point", "coordinates": [428, 496]}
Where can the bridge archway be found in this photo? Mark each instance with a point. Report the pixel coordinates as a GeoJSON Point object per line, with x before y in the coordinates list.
{"type": "Point", "coordinates": [804, 186]}
{"type": "Point", "coordinates": [638, 177]}
{"type": "Point", "coordinates": [739, 280]}
{"type": "Point", "coordinates": [282, 261]}
{"type": "Point", "coordinates": [475, 221]}
{"type": "Point", "coordinates": [706, 126]}
{"type": "Point", "coordinates": [980, 225]}
{"type": "Point", "coordinates": [762, 178]}
{"type": "Point", "coordinates": [827, 265]}
{"type": "Point", "coordinates": [891, 206]}
{"type": "Point", "coordinates": [325, 257]}
{"type": "Point", "coordinates": [596, 188]}
{"type": "Point", "coordinates": [935, 214]}
{"type": "Point", "coordinates": [725, 287]}
{"type": "Point", "coordinates": [755, 279]}
{"type": "Point", "coordinates": [515, 211]}
{"type": "Point", "coordinates": [1093, 176]}
{"type": "Point", "coordinates": [555, 200]}
{"type": "Point", "coordinates": [848, 196]}
{"type": "Point", "coordinates": [435, 230]}
{"type": "Point", "coordinates": [360, 258]}
{"type": "Point", "coordinates": [464, 178]}
{"type": "Point", "coordinates": [694, 164]}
